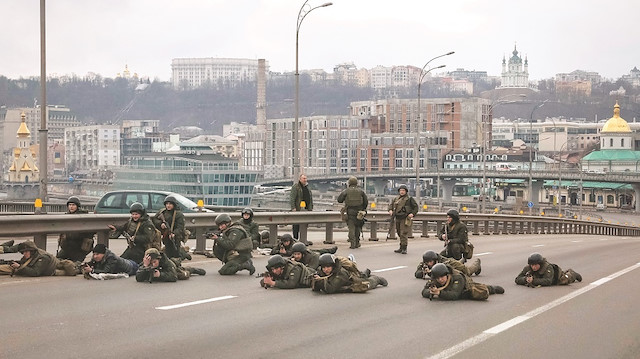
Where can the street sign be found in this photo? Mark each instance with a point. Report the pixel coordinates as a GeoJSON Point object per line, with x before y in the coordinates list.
{"type": "Point", "coordinates": [530, 204]}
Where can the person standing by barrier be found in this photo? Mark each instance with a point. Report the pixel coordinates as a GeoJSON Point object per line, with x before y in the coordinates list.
{"type": "Point", "coordinates": [540, 273]}
{"type": "Point", "coordinates": [75, 246]}
{"type": "Point", "coordinates": [355, 205]}
{"type": "Point", "coordinates": [402, 210]}
{"type": "Point", "coordinates": [139, 232]}
{"type": "Point", "coordinates": [455, 236]}
{"type": "Point", "coordinates": [300, 199]}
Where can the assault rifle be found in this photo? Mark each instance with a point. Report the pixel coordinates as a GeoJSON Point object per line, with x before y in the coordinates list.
{"type": "Point", "coordinates": [264, 275]}
{"type": "Point", "coordinates": [173, 248]}
{"type": "Point", "coordinates": [9, 262]}
{"type": "Point", "coordinates": [129, 239]}
{"type": "Point", "coordinates": [151, 271]}
{"type": "Point", "coordinates": [430, 284]}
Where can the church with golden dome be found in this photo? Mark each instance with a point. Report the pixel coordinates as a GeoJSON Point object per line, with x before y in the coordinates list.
{"type": "Point", "coordinates": [24, 177]}
{"type": "Point", "coordinates": [617, 148]}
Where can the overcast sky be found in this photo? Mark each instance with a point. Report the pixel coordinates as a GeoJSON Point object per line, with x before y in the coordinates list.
{"type": "Point", "coordinates": [102, 36]}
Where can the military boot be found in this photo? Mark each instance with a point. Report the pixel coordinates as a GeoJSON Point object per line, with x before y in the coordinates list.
{"type": "Point", "coordinates": [474, 267]}
{"type": "Point", "coordinates": [248, 265]}
{"type": "Point", "coordinates": [399, 250]}
{"type": "Point", "coordinates": [7, 243]}
{"type": "Point", "coordinates": [495, 289]}
{"type": "Point", "coordinates": [576, 275]}
{"type": "Point", "coordinates": [404, 249]}
{"type": "Point", "coordinates": [333, 249]}
{"type": "Point", "coordinates": [198, 271]}
{"type": "Point", "coordinates": [367, 273]}
{"type": "Point", "coordinates": [375, 281]}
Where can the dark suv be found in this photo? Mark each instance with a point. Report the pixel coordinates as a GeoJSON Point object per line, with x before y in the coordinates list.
{"type": "Point", "coordinates": [153, 201]}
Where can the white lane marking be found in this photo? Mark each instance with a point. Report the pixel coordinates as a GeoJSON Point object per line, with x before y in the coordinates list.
{"type": "Point", "coordinates": [538, 245]}
{"type": "Point", "coordinates": [483, 254]}
{"type": "Point", "coordinates": [203, 301]}
{"type": "Point", "coordinates": [576, 241]}
{"type": "Point", "coordinates": [388, 269]}
{"type": "Point", "coordinates": [448, 353]}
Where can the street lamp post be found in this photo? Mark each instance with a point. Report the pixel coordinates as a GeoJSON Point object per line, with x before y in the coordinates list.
{"type": "Point", "coordinates": [42, 133]}
{"type": "Point", "coordinates": [499, 101]}
{"type": "Point", "coordinates": [531, 152]}
{"type": "Point", "coordinates": [304, 11]}
{"type": "Point", "coordinates": [418, 125]}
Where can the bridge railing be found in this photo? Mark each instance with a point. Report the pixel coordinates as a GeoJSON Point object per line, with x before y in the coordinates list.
{"type": "Point", "coordinates": [40, 226]}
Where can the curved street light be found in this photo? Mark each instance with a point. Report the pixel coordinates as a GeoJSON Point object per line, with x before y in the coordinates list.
{"type": "Point", "coordinates": [418, 125]}
{"type": "Point", "coordinates": [305, 9]}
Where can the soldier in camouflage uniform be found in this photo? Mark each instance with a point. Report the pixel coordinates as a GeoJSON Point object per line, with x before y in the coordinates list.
{"type": "Point", "coordinates": [340, 275]}
{"type": "Point", "coordinates": [431, 258]}
{"type": "Point", "coordinates": [300, 199]}
{"type": "Point", "coordinates": [301, 254]}
{"type": "Point", "coordinates": [455, 234]}
{"type": "Point", "coordinates": [355, 200]}
{"type": "Point", "coordinates": [75, 245]}
{"type": "Point", "coordinates": [286, 274]}
{"type": "Point", "coordinates": [36, 262]}
{"type": "Point", "coordinates": [403, 207]}
{"type": "Point", "coordinates": [105, 261]}
{"type": "Point", "coordinates": [449, 284]}
{"type": "Point", "coordinates": [283, 247]}
{"type": "Point", "coordinates": [141, 230]}
{"type": "Point", "coordinates": [233, 246]}
{"type": "Point", "coordinates": [540, 273]}
{"type": "Point", "coordinates": [170, 222]}
{"type": "Point", "coordinates": [250, 226]}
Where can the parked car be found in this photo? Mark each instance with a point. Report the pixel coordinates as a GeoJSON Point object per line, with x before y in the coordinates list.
{"type": "Point", "coordinates": [153, 201]}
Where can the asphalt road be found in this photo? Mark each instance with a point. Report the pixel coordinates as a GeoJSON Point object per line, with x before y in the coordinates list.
{"type": "Point", "coordinates": [63, 317]}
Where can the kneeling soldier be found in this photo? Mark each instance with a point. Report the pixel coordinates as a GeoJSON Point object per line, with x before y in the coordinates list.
{"type": "Point", "coordinates": [540, 273]}
{"type": "Point", "coordinates": [340, 275]}
{"type": "Point", "coordinates": [431, 258]}
{"type": "Point", "coordinates": [286, 274]}
{"type": "Point", "coordinates": [449, 284]}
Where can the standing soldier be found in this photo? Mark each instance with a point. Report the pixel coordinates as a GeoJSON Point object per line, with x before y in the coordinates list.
{"type": "Point", "coordinates": [286, 274]}
{"type": "Point", "coordinates": [455, 236]}
{"type": "Point", "coordinates": [449, 284]}
{"type": "Point", "coordinates": [402, 210]}
{"type": "Point", "coordinates": [540, 273]}
{"type": "Point", "coordinates": [170, 222]}
{"type": "Point", "coordinates": [250, 226]}
{"type": "Point", "coordinates": [75, 245]}
{"type": "Point", "coordinates": [139, 232]}
{"type": "Point", "coordinates": [300, 199]}
{"type": "Point", "coordinates": [340, 275]}
{"type": "Point", "coordinates": [431, 258]}
{"type": "Point", "coordinates": [355, 203]}
{"type": "Point", "coordinates": [232, 246]}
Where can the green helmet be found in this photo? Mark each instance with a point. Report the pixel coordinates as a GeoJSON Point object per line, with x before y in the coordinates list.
{"type": "Point", "coordinates": [276, 261]}
{"type": "Point", "coordinates": [75, 200]}
{"type": "Point", "coordinates": [535, 258]}
{"type": "Point", "coordinates": [352, 181]}
{"type": "Point", "coordinates": [171, 199]}
{"type": "Point", "coordinates": [137, 207]}
{"type": "Point", "coordinates": [222, 218]}
{"type": "Point", "coordinates": [439, 270]}
{"type": "Point", "coordinates": [299, 247]}
{"type": "Point", "coordinates": [327, 259]}
{"type": "Point", "coordinates": [249, 211]}
{"type": "Point", "coordinates": [429, 256]}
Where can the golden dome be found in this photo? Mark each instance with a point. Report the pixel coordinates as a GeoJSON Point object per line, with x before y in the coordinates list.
{"type": "Point", "coordinates": [23, 131]}
{"type": "Point", "coordinates": [616, 123]}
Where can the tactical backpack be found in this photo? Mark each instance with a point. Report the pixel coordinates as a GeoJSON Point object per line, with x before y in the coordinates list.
{"type": "Point", "coordinates": [358, 285]}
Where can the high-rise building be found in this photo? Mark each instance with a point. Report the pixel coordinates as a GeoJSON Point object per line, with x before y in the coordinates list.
{"type": "Point", "coordinates": [191, 73]}
{"type": "Point", "coordinates": [92, 147]}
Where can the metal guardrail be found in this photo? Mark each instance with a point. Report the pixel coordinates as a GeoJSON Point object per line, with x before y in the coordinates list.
{"type": "Point", "coordinates": [39, 226]}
